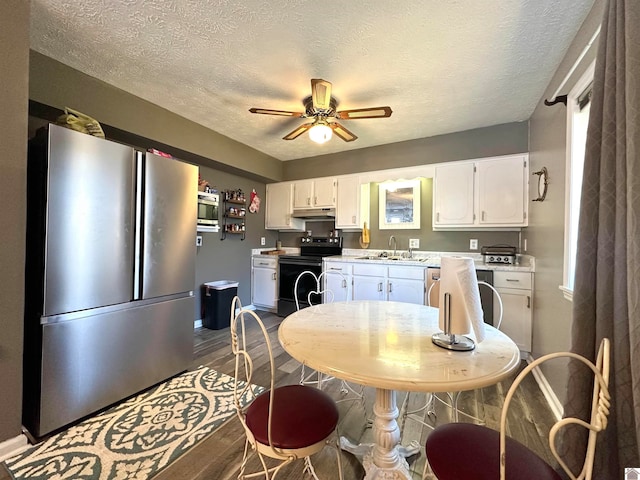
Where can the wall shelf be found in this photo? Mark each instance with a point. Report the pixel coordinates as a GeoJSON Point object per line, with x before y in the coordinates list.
{"type": "Point", "coordinates": [233, 214]}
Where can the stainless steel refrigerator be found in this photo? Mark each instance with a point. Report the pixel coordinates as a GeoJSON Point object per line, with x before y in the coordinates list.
{"type": "Point", "coordinates": [110, 273]}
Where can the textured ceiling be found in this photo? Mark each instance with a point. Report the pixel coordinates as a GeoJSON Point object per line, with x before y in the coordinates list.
{"type": "Point", "coordinates": [442, 66]}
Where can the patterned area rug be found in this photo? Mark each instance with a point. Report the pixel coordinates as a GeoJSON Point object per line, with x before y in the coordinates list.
{"type": "Point", "coordinates": [137, 438]}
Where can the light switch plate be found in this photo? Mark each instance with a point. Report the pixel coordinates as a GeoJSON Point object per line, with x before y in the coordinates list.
{"type": "Point", "coordinates": [473, 244]}
{"type": "Point", "coordinates": [414, 243]}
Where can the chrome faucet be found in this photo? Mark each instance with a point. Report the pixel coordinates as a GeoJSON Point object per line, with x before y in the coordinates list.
{"type": "Point", "coordinates": [394, 244]}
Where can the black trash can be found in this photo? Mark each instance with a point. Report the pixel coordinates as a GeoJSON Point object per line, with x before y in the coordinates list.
{"type": "Point", "coordinates": [217, 298]}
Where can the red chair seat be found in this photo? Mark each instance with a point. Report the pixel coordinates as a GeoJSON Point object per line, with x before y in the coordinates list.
{"type": "Point", "coordinates": [302, 416]}
{"type": "Point", "coordinates": [468, 451]}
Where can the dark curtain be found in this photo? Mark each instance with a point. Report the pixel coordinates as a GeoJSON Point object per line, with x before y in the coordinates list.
{"type": "Point", "coordinates": [606, 299]}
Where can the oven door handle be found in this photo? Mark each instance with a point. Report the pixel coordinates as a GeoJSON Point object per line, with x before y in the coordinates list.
{"type": "Point", "coordinates": [301, 264]}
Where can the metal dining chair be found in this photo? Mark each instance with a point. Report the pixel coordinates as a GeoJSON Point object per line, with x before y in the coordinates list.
{"type": "Point", "coordinates": [429, 405]}
{"type": "Point", "coordinates": [320, 291]}
{"type": "Point", "coordinates": [467, 450]}
{"type": "Point", "coordinates": [284, 423]}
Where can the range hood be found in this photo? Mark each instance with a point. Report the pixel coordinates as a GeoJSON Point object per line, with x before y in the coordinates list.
{"type": "Point", "coordinates": [315, 213]}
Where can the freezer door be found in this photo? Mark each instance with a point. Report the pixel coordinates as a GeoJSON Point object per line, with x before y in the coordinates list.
{"type": "Point", "coordinates": [169, 226]}
{"type": "Point", "coordinates": [90, 211]}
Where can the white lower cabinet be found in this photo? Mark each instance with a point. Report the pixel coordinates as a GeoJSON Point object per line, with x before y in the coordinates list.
{"type": "Point", "coordinates": [264, 283]}
{"type": "Point", "coordinates": [398, 284]}
{"type": "Point", "coordinates": [369, 282]}
{"type": "Point", "coordinates": [516, 291]}
{"type": "Point", "coordinates": [337, 279]}
{"type": "Point", "coordinates": [406, 284]}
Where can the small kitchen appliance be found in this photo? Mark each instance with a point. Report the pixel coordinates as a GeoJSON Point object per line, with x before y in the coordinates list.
{"type": "Point", "coordinates": [503, 254]}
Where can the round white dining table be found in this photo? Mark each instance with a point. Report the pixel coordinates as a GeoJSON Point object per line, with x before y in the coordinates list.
{"type": "Point", "coordinates": [388, 346]}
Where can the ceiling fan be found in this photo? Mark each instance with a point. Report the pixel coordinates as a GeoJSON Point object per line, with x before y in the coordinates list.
{"type": "Point", "coordinates": [321, 107]}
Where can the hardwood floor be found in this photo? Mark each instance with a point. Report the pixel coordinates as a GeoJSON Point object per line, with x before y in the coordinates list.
{"type": "Point", "coordinates": [218, 457]}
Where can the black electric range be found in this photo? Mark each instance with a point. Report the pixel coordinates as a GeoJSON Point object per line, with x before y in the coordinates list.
{"type": "Point", "coordinates": [312, 251]}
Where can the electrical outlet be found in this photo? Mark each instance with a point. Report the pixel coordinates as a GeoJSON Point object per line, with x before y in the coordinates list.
{"type": "Point", "coordinates": [414, 243]}
{"type": "Point", "coordinates": [198, 240]}
{"type": "Point", "coordinates": [263, 241]}
{"type": "Point", "coordinates": [473, 244]}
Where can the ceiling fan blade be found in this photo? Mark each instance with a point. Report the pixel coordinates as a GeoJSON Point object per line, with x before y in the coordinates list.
{"type": "Point", "coordinates": [372, 112]}
{"type": "Point", "coordinates": [342, 132]}
{"type": "Point", "coordinates": [298, 131]}
{"type": "Point", "coordinates": [321, 94]}
{"type": "Point", "coordinates": [283, 113]}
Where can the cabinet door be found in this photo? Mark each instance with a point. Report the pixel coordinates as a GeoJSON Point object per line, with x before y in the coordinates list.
{"type": "Point", "coordinates": [303, 194]}
{"type": "Point", "coordinates": [324, 192]}
{"type": "Point", "coordinates": [264, 287]}
{"type": "Point", "coordinates": [278, 208]}
{"type": "Point", "coordinates": [369, 288]}
{"type": "Point", "coordinates": [516, 318]}
{"type": "Point", "coordinates": [501, 191]}
{"type": "Point", "coordinates": [453, 195]}
{"type": "Point", "coordinates": [352, 203]}
{"type": "Point", "coordinates": [405, 290]}
{"type": "Point", "coordinates": [339, 285]}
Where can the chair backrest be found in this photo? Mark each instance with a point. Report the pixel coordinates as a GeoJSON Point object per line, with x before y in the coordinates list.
{"type": "Point", "coordinates": [601, 401]}
{"type": "Point", "coordinates": [240, 318]}
{"type": "Point", "coordinates": [480, 284]}
{"type": "Point", "coordinates": [320, 289]}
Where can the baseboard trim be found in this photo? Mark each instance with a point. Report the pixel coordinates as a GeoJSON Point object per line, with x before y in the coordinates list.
{"type": "Point", "coordinates": [13, 446]}
{"type": "Point", "coordinates": [552, 400]}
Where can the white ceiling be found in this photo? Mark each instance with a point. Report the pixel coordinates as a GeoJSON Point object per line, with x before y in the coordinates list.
{"type": "Point", "coordinates": [442, 66]}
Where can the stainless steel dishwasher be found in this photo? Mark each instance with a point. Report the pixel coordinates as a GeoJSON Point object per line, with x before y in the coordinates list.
{"type": "Point", "coordinates": [486, 294]}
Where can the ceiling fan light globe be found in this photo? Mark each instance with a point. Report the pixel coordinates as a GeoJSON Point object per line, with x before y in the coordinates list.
{"type": "Point", "coordinates": [320, 133]}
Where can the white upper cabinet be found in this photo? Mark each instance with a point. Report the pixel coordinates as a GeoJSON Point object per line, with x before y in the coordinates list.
{"type": "Point", "coordinates": [279, 207]}
{"type": "Point", "coordinates": [453, 194]}
{"type": "Point", "coordinates": [487, 193]}
{"type": "Point", "coordinates": [352, 203]}
{"type": "Point", "coordinates": [315, 193]}
{"type": "Point", "coordinates": [502, 188]}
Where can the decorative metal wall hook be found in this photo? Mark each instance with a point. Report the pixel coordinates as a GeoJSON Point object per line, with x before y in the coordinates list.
{"type": "Point", "coordinates": [543, 174]}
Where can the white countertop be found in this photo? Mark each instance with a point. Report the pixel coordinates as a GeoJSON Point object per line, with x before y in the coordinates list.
{"type": "Point", "coordinates": [524, 263]}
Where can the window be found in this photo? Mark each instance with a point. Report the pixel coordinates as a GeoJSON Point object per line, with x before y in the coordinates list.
{"type": "Point", "coordinates": [578, 107]}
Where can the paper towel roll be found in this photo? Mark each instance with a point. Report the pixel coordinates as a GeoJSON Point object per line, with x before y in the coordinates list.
{"type": "Point", "coordinates": [458, 278]}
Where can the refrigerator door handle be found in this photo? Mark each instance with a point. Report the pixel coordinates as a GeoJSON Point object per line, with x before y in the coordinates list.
{"type": "Point", "coordinates": [137, 267]}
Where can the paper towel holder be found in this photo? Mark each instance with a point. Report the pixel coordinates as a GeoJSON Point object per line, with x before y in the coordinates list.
{"type": "Point", "coordinates": [448, 340]}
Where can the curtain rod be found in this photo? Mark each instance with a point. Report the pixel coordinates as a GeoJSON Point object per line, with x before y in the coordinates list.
{"type": "Point", "coordinates": [563, 98]}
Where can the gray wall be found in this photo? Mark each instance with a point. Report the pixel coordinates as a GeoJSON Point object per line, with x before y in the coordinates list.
{"type": "Point", "coordinates": [230, 259]}
{"type": "Point", "coordinates": [552, 316]}
{"type": "Point", "coordinates": [14, 56]}
{"type": "Point", "coordinates": [480, 142]}
{"type": "Point", "coordinates": [57, 85]}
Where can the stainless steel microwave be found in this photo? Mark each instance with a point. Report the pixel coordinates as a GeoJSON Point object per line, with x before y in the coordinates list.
{"type": "Point", "coordinates": [208, 204]}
